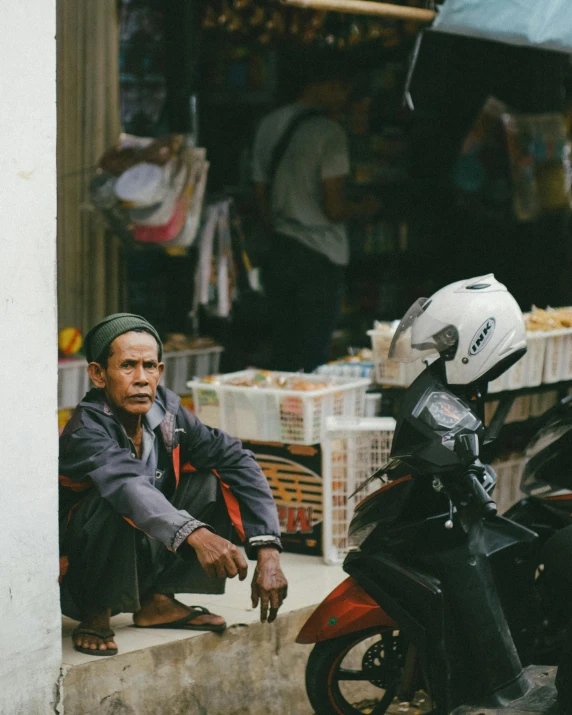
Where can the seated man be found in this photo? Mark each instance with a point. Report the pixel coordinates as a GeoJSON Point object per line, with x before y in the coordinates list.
{"type": "Point", "coordinates": [149, 497]}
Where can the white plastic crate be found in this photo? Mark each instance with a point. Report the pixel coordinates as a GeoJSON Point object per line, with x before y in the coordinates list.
{"type": "Point", "coordinates": [277, 415]}
{"type": "Point", "coordinates": [558, 357]}
{"type": "Point", "coordinates": [534, 359]}
{"type": "Point", "coordinates": [528, 371]}
{"type": "Point", "coordinates": [390, 372]}
{"type": "Point", "coordinates": [509, 474]}
{"type": "Point", "coordinates": [184, 365]}
{"type": "Point", "coordinates": [73, 382]}
{"type": "Point", "coordinates": [353, 449]}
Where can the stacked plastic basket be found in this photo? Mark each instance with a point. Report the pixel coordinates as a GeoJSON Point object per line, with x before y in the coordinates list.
{"type": "Point", "coordinates": [180, 366]}
{"type": "Point", "coordinates": [548, 360]}
{"type": "Point", "coordinates": [353, 450]}
{"type": "Point", "coordinates": [275, 414]}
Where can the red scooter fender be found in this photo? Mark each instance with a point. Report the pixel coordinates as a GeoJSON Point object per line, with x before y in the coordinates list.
{"type": "Point", "coordinates": [347, 609]}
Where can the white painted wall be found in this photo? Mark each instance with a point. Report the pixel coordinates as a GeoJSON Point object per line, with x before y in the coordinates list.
{"type": "Point", "coordinates": [29, 608]}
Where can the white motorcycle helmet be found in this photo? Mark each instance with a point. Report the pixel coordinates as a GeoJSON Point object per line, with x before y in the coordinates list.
{"type": "Point", "coordinates": [475, 325]}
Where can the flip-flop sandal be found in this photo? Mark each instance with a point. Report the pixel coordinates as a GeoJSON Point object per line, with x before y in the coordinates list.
{"type": "Point", "coordinates": [104, 635]}
{"type": "Point", "coordinates": [183, 623]}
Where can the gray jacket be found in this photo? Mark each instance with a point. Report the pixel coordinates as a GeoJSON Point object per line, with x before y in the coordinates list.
{"type": "Point", "coordinates": [95, 452]}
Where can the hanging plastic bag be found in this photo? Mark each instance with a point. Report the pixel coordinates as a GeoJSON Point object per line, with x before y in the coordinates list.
{"type": "Point", "coordinates": [547, 23]}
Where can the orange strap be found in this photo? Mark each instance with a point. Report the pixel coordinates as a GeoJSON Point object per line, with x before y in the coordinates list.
{"type": "Point", "coordinates": [177, 463]}
{"type": "Point", "coordinates": [75, 486]}
{"type": "Point", "coordinates": [232, 507]}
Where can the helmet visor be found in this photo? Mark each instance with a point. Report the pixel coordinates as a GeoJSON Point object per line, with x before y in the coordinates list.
{"type": "Point", "coordinates": [420, 335]}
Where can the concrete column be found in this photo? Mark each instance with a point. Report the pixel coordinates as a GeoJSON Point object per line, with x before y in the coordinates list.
{"type": "Point", "coordinates": [29, 608]}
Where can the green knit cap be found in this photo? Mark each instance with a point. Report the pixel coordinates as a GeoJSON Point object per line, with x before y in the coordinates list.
{"type": "Point", "coordinates": [104, 333]}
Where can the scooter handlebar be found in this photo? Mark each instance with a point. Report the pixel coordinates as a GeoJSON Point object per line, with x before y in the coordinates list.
{"type": "Point", "coordinates": [481, 497]}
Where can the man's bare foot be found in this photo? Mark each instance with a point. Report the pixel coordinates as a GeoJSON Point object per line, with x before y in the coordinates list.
{"type": "Point", "coordinates": [161, 608]}
{"type": "Point", "coordinates": [95, 622]}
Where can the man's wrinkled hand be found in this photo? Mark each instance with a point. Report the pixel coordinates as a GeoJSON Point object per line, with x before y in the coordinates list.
{"type": "Point", "coordinates": [218, 557]}
{"type": "Point", "coordinates": [269, 585]}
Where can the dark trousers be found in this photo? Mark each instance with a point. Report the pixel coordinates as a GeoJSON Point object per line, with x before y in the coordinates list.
{"type": "Point", "coordinates": [114, 565]}
{"type": "Point", "coordinates": [304, 292]}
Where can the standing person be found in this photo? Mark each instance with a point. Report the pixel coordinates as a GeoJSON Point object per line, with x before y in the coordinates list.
{"type": "Point", "coordinates": [149, 497]}
{"type": "Point", "coordinates": [300, 161]}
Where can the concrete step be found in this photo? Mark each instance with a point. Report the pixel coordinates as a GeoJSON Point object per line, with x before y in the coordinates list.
{"type": "Point", "coordinates": [251, 669]}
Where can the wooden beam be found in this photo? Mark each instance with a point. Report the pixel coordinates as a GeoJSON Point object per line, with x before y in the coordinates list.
{"type": "Point", "coordinates": [365, 7]}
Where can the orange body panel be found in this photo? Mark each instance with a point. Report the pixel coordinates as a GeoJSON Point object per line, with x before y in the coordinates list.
{"type": "Point", "coordinates": [347, 609]}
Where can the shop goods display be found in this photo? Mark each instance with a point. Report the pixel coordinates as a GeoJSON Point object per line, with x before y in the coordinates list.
{"type": "Point", "coordinates": [517, 22]}
{"type": "Point", "coordinates": [276, 406]}
{"type": "Point", "coordinates": [352, 451]}
{"type": "Point", "coordinates": [307, 22]}
{"type": "Point", "coordinates": [294, 473]}
{"type": "Point", "coordinates": [539, 154]}
{"type": "Point", "coordinates": [70, 341]}
{"type": "Point", "coordinates": [358, 364]}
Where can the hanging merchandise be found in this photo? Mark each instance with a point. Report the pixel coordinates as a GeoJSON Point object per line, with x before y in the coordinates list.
{"type": "Point", "coordinates": [539, 155]}
{"type": "Point", "coordinates": [215, 278]}
{"type": "Point", "coordinates": [197, 183]}
{"type": "Point", "coordinates": [309, 22]}
{"type": "Point", "coordinates": [546, 24]}
{"type": "Point", "coordinates": [152, 191]}
{"type": "Point", "coordinates": [481, 171]}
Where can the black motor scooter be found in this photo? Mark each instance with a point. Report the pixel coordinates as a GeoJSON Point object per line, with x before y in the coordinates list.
{"type": "Point", "coordinates": [442, 596]}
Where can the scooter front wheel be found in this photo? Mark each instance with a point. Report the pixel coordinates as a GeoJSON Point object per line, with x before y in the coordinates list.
{"type": "Point", "coordinates": [359, 673]}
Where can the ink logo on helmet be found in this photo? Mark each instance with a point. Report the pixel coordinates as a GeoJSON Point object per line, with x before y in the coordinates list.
{"type": "Point", "coordinates": [482, 336]}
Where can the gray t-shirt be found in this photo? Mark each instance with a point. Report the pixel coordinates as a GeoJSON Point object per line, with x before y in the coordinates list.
{"type": "Point", "coordinates": [318, 150]}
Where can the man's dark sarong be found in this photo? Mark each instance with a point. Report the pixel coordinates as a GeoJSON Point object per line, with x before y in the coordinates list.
{"type": "Point", "coordinates": [114, 565]}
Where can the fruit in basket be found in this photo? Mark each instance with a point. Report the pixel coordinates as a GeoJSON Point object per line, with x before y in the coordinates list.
{"type": "Point", "coordinates": [212, 379]}
{"type": "Point", "coordinates": [271, 380]}
{"type": "Point", "coordinates": [306, 386]}
{"type": "Point", "coordinates": [565, 317]}
{"type": "Point", "coordinates": [69, 341]}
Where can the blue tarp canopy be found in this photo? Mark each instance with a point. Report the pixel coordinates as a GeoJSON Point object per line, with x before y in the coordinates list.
{"type": "Point", "coordinates": [538, 23]}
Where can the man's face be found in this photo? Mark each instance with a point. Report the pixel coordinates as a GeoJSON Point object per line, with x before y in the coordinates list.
{"type": "Point", "coordinates": [132, 374]}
